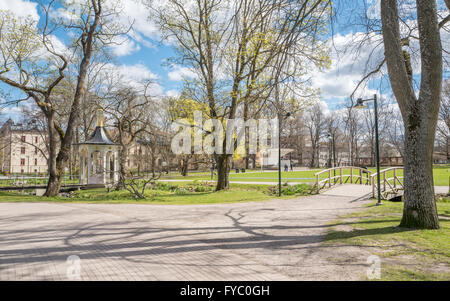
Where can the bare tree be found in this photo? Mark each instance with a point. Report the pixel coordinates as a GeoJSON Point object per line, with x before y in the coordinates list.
{"type": "Point", "coordinates": [333, 123]}
{"type": "Point", "coordinates": [395, 131]}
{"type": "Point", "coordinates": [232, 45]}
{"type": "Point", "coordinates": [443, 127]}
{"type": "Point", "coordinates": [296, 135]}
{"type": "Point", "coordinates": [316, 124]}
{"type": "Point", "coordinates": [22, 43]}
{"type": "Point", "coordinates": [137, 184]}
{"type": "Point", "coordinates": [352, 128]}
{"type": "Point", "coordinates": [128, 107]}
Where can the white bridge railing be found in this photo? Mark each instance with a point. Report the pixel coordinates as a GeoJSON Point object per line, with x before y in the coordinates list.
{"type": "Point", "coordinates": [342, 175]}
{"type": "Point", "coordinates": [391, 182]}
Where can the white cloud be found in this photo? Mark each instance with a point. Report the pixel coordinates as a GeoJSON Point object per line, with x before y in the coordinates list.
{"type": "Point", "coordinates": [138, 13]}
{"type": "Point", "coordinates": [324, 107]}
{"type": "Point", "coordinates": [172, 93]}
{"type": "Point", "coordinates": [348, 67]}
{"type": "Point", "coordinates": [143, 30]}
{"type": "Point", "coordinates": [21, 8]}
{"type": "Point", "coordinates": [135, 76]}
{"type": "Point", "coordinates": [180, 73]}
{"type": "Point", "coordinates": [127, 47]}
{"type": "Point", "coordinates": [137, 72]}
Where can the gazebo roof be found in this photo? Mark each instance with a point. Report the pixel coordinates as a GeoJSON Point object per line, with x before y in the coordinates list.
{"type": "Point", "coordinates": [99, 137]}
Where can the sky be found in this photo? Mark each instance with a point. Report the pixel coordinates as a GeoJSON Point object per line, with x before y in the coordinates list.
{"type": "Point", "coordinates": [143, 56]}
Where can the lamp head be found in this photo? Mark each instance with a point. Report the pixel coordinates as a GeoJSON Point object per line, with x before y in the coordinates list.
{"type": "Point", "coordinates": [359, 104]}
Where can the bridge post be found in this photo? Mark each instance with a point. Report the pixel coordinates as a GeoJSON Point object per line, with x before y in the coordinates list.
{"type": "Point", "coordinates": [351, 175]}
{"type": "Point", "coordinates": [395, 178]}
{"type": "Point", "coordinates": [329, 178]}
{"type": "Point", "coordinates": [317, 184]}
{"type": "Point", "coordinates": [373, 188]}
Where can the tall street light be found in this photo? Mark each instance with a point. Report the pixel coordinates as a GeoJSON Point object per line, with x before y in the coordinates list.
{"type": "Point", "coordinates": [288, 114]}
{"type": "Point", "coordinates": [360, 105]}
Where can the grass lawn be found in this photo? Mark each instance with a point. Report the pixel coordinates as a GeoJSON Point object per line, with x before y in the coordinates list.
{"type": "Point", "coordinates": [441, 176]}
{"type": "Point", "coordinates": [405, 254]}
{"type": "Point", "coordinates": [237, 193]}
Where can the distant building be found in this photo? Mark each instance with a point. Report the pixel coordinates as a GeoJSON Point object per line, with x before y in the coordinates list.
{"type": "Point", "coordinates": [151, 154]}
{"type": "Point", "coordinates": [23, 148]}
{"type": "Point", "coordinates": [268, 158]}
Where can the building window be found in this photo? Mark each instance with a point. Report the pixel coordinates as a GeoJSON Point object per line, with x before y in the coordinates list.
{"type": "Point", "coordinates": [21, 170]}
{"type": "Point", "coordinates": [22, 138]}
{"type": "Point", "coordinates": [35, 170]}
{"type": "Point", "coordinates": [36, 139]}
{"type": "Point", "coordinates": [22, 150]}
{"type": "Point", "coordinates": [35, 161]}
{"type": "Point", "coordinates": [22, 162]}
{"type": "Point", "coordinates": [35, 150]}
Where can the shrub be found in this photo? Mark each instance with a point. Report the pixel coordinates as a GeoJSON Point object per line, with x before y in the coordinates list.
{"type": "Point", "coordinates": [300, 189]}
{"type": "Point", "coordinates": [180, 190]}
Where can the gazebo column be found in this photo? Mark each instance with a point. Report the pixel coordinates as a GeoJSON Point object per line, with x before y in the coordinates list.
{"type": "Point", "coordinates": [116, 167]}
{"type": "Point", "coordinates": [82, 170]}
{"type": "Point", "coordinates": [89, 165]}
{"type": "Point", "coordinates": [104, 166]}
{"type": "Point", "coordinates": [80, 181]}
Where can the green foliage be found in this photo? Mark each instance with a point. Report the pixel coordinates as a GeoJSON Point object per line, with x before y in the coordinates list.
{"type": "Point", "coordinates": [289, 190]}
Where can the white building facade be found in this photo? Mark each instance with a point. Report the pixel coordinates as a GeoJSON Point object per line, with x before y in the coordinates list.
{"type": "Point", "coordinates": [23, 149]}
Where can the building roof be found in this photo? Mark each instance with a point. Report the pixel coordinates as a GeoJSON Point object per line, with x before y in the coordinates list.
{"type": "Point", "coordinates": [30, 126]}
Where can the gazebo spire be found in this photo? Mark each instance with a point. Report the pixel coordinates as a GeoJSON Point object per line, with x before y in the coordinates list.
{"type": "Point", "coordinates": [100, 118]}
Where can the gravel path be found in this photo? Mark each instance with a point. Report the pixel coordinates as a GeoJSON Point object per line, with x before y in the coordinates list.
{"type": "Point", "coordinates": [274, 240]}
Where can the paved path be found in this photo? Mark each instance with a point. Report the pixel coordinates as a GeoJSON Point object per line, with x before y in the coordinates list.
{"type": "Point", "coordinates": [274, 240]}
{"type": "Point", "coordinates": [441, 189]}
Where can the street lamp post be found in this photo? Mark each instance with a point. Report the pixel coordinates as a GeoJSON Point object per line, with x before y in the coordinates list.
{"type": "Point", "coordinates": [360, 104]}
{"type": "Point", "coordinates": [333, 150]}
{"type": "Point", "coordinates": [288, 114]}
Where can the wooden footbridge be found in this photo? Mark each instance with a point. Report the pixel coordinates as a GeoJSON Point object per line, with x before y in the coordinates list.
{"type": "Point", "coordinates": [391, 180]}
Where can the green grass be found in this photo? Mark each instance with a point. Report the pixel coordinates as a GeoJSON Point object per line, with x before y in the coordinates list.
{"type": "Point", "coordinates": [406, 254]}
{"type": "Point", "coordinates": [399, 273]}
{"type": "Point", "coordinates": [441, 175]}
{"type": "Point", "coordinates": [237, 193]}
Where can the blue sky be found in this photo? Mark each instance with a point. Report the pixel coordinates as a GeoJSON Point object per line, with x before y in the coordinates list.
{"type": "Point", "coordinates": [142, 55]}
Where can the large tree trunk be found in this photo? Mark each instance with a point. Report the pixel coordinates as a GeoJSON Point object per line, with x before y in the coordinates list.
{"type": "Point", "coordinates": [223, 171]}
{"type": "Point", "coordinates": [419, 114]}
{"type": "Point", "coordinates": [420, 209]}
{"type": "Point", "coordinates": [122, 167]}
{"type": "Point", "coordinates": [54, 167]}
{"type": "Point", "coordinates": [185, 166]}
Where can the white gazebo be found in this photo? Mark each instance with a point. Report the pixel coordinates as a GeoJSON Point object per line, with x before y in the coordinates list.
{"type": "Point", "coordinates": [99, 157]}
